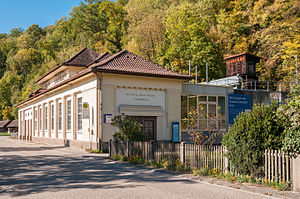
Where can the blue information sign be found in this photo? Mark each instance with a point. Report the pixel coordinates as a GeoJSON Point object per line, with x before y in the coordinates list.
{"type": "Point", "coordinates": [175, 131]}
{"type": "Point", "coordinates": [238, 103]}
{"type": "Point", "coordinates": [107, 118]}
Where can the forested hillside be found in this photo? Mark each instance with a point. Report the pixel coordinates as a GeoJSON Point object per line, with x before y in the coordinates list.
{"type": "Point", "coordinates": [168, 32]}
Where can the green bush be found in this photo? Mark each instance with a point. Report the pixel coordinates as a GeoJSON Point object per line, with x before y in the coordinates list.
{"type": "Point", "coordinates": [289, 115]}
{"type": "Point", "coordinates": [291, 142]}
{"type": "Point", "coordinates": [250, 135]}
{"type": "Point", "coordinates": [129, 129]}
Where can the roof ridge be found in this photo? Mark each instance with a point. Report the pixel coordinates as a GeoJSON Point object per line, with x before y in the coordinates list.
{"type": "Point", "coordinates": [110, 58]}
{"type": "Point", "coordinates": [98, 57]}
{"type": "Point", "coordinates": [240, 54]}
{"type": "Point", "coordinates": [149, 61]}
{"type": "Point", "coordinates": [102, 55]}
{"type": "Point", "coordinates": [74, 56]}
{"type": "Point", "coordinates": [141, 65]}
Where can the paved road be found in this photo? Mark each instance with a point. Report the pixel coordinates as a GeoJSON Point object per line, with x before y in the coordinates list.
{"type": "Point", "coordinates": [29, 170]}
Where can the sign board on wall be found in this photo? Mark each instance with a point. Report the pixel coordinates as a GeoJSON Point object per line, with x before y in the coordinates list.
{"type": "Point", "coordinates": [140, 97]}
{"type": "Point", "coordinates": [175, 131]}
{"type": "Point", "coordinates": [107, 118]}
{"type": "Point", "coordinates": [238, 103]}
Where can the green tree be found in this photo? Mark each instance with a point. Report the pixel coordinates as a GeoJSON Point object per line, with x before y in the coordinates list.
{"type": "Point", "coordinates": [7, 113]}
{"type": "Point", "coordinates": [115, 25]}
{"type": "Point", "coordinates": [187, 39]}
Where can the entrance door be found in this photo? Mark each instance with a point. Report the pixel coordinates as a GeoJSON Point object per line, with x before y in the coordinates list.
{"type": "Point", "coordinates": [149, 126]}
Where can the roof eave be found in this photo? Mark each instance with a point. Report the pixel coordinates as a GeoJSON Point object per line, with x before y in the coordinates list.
{"type": "Point", "coordinates": [142, 74]}
{"type": "Point", "coordinates": [56, 86]}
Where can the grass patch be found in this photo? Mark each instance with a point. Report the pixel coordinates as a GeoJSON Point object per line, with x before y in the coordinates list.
{"type": "Point", "coordinates": [4, 134]}
{"type": "Point", "coordinates": [230, 177]}
{"type": "Point", "coordinates": [93, 151]}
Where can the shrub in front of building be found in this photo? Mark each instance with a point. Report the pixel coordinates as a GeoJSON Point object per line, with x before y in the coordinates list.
{"type": "Point", "coordinates": [250, 135]}
{"type": "Point", "coordinates": [129, 129]}
{"type": "Point", "coordinates": [289, 115]}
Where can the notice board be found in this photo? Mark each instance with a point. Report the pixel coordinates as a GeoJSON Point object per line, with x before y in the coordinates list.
{"type": "Point", "coordinates": [238, 103]}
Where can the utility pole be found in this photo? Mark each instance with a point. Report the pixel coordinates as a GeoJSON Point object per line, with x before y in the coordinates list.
{"type": "Point", "coordinates": [196, 75]}
{"type": "Point", "coordinates": [189, 67]}
{"type": "Point", "coordinates": [206, 73]}
{"type": "Point", "coordinates": [297, 81]}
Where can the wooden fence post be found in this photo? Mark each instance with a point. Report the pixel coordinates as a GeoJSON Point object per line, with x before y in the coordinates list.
{"type": "Point", "coordinates": [182, 152]}
{"type": "Point", "coordinates": [225, 162]}
{"type": "Point", "coordinates": [151, 149]}
{"type": "Point", "coordinates": [276, 162]}
{"type": "Point", "coordinates": [127, 148]}
{"type": "Point", "coordinates": [296, 173]}
{"type": "Point", "coordinates": [109, 148]}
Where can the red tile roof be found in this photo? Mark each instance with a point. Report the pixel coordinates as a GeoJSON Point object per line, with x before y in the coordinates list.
{"type": "Point", "coordinates": [102, 57]}
{"type": "Point", "coordinates": [4, 123]}
{"type": "Point", "coordinates": [40, 90]}
{"type": "Point", "coordinates": [13, 124]}
{"type": "Point", "coordinates": [126, 62]}
{"type": "Point", "coordinates": [85, 57]}
{"type": "Point", "coordinates": [241, 54]}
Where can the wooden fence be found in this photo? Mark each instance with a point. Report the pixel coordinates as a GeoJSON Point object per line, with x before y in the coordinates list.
{"type": "Point", "coordinates": [278, 166]}
{"type": "Point", "coordinates": [165, 150]}
{"type": "Point", "coordinates": [199, 156]}
{"type": "Point", "coordinates": [196, 156]}
{"type": "Point", "coordinates": [130, 149]}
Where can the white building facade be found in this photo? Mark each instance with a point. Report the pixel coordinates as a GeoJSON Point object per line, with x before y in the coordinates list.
{"type": "Point", "coordinates": [110, 85]}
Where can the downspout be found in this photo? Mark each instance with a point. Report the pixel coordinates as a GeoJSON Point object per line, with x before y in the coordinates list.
{"type": "Point", "coordinates": [101, 106]}
{"type": "Point", "coordinates": [99, 114]}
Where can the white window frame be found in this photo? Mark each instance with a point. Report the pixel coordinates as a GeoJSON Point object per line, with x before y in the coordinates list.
{"type": "Point", "coordinates": [69, 115]}
{"type": "Point", "coordinates": [60, 108]}
{"type": "Point", "coordinates": [40, 118]}
{"type": "Point", "coordinates": [52, 106]}
{"type": "Point", "coordinates": [35, 119]}
{"type": "Point", "coordinates": [207, 103]}
{"type": "Point", "coordinates": [46, 118]}
{"type": "Point", "coordinates": [79, 114]}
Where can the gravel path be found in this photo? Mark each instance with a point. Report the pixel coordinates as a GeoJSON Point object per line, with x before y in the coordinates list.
{"type": "Point", "coordinates": [32, 170]}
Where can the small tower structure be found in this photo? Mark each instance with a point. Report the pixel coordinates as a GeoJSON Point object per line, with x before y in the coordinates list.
{"type": "Point", "coordinates": [243, 64]}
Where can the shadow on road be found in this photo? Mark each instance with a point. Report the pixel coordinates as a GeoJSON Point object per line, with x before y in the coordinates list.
{"type": "Point", "coordinates": [20, 175]}
{"type": "Point", "coordinates": [16, 149]}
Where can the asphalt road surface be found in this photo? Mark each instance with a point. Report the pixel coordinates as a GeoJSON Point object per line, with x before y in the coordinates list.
{"type": "Point", "coordinates": [31, 170]}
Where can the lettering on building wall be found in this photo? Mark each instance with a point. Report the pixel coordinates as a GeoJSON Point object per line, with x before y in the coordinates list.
{"type": "Point", "coordinates": [140, 97]}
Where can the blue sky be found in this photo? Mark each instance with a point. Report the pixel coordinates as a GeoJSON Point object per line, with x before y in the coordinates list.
{"type": "Point", "coordinates": [23, 13]}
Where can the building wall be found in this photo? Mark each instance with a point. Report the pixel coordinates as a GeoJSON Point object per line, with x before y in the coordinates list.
{"type": "Point", "coordinates": [263, 96]}
{"type": "Point", "coordinates": [158, 97]}
{"type": "Point", "coordinates": [165, 89]}
{"type": "Point", "coordinates": [195, 91]}
{"type": "Point", "coordinates": [84, 87]}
